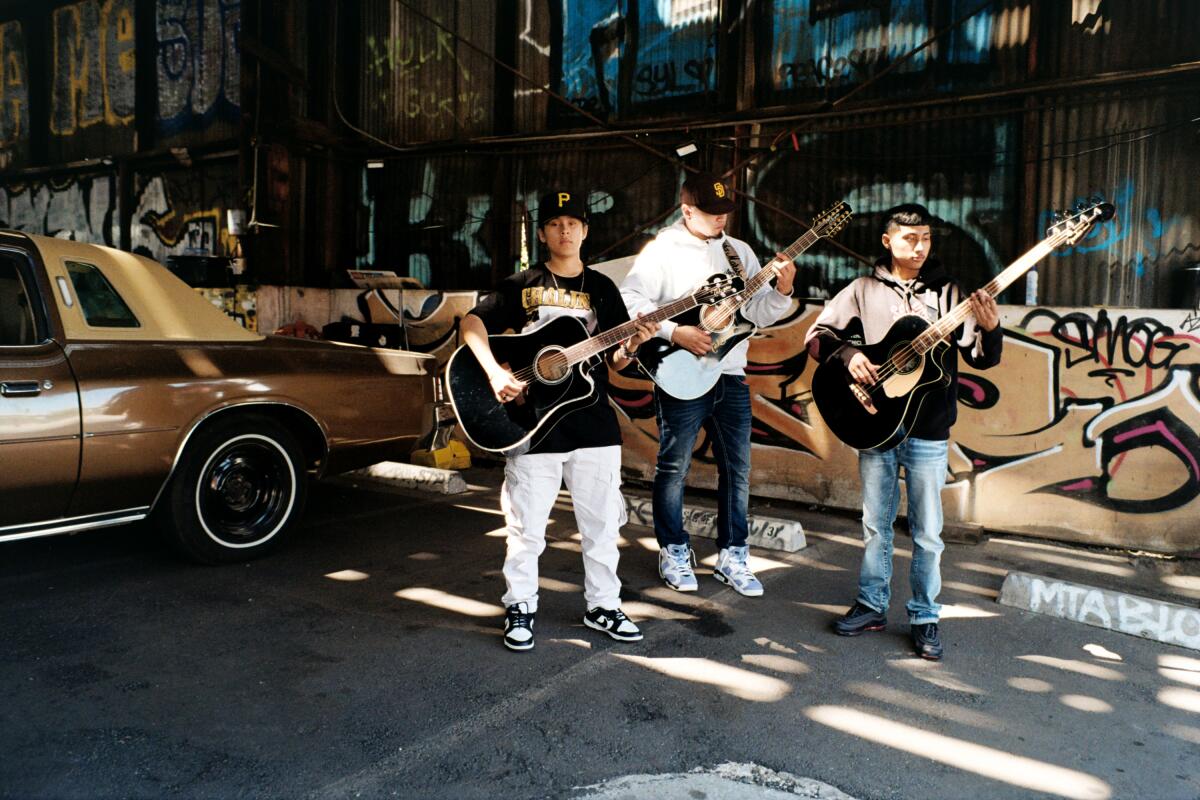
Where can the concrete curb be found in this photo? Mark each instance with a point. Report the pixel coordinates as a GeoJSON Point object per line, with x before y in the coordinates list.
{"type": "Point", "coordinates": [770, 533]}
{"type": "Point", "coordinates": [411, 476]}
{"type": "Point", "coordinates": [1145, 617]}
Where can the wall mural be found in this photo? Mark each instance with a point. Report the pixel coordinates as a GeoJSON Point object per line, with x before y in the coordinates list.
{"type": "Point", "coordinates": [631, 53]}
{"type": "Point", "coordinates": [93, 58]}
{"type": "Point", "coordinates": [14, 93]}
{"type": "Point", "coordinates": [199, 62]}
{"type": "Point", "coordinates": [820, 44]}
{"type": "Point", "coordinates": [176, 213]}
{"type": "Point", "coordinates": [1088, 426]}
{"type": "Point", "coordinates": [83, 208]}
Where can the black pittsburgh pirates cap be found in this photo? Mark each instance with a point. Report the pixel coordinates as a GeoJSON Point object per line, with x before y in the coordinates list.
{"type": "Point", "coordinates": [708, 193]}
{"type": "Point", "coordinates": [562, 203]}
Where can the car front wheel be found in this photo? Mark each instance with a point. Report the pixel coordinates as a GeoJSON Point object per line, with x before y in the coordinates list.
{"type": "Point", "coordinates": [237, 491]}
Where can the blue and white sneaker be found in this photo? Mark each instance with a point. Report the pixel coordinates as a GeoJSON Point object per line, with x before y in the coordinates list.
{"type": "Point", "coordinates": [731, 568]}
{"type": "Point", "coordinates": [675, 567]}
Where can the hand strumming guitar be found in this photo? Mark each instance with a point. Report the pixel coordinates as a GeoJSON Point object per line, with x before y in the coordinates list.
{"type": "Point", "coordinates": [695, 340]}
{"type": "Point", "coordinates": [504, 385]}
{"type": "Point", "coordinates": [861, 369]}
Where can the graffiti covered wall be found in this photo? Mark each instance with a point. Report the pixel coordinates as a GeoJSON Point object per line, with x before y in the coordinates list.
{"type": "Point", "coordinates": [198, 64]}
{"type": "Point", "coordinates": [1088, 430]}
{"type": "Point", "coordinates": [92, 87]}
{"type": "Point", "coordinates": [14, 97]}
{"type": "Point", "coordinates": [176, 212]}
{"type": "Point", "coordinates": [182, 212]}
{"type": "Point", "coordinates": [79, 207]}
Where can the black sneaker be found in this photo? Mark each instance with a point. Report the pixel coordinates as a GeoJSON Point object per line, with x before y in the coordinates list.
{"type": "Point", "coordinates": [614, 623]}
{"type": "Point", "coordinates": [926, 641]}
{"type": "Point", "coordinates": [518, 627]}
{"type": "Point", "coordinates": [859, 619]}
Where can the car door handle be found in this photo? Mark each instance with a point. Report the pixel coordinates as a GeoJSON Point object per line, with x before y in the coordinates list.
{"type": "Point", "coordinates": [20, 388]}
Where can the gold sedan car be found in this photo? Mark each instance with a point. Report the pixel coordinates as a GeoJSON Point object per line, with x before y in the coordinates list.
{"type": "Point", "coordinates": [126, 395]}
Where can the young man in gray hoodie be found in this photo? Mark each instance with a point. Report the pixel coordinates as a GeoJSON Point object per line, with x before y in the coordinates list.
{"type": "Point", "coordinates": [905, 281]}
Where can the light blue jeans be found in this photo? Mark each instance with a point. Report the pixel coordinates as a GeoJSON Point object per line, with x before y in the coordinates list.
{"type": "Point", "coordinates": [924, 463]}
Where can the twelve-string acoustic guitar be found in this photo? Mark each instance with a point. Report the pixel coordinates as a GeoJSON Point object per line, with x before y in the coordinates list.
{"type": "Point", "coordinates": [685, 375]}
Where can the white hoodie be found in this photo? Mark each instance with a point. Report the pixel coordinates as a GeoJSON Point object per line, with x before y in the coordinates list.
{"type": "Point", "coordinates": [677, 262]}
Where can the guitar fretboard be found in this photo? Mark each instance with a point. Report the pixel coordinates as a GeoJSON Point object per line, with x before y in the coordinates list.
{"type": "Point", "coordinates": [771, 270]}
{"type": "Point", "coordinates": [602, 341]}
{"type": "Point", "coordinates": [957, 315]}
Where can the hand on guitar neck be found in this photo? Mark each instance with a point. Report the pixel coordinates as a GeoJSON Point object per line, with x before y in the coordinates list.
{"type": "Point", "coordinates": [983, 306]}
{"type": "Point", "coordinates": [785, 270]}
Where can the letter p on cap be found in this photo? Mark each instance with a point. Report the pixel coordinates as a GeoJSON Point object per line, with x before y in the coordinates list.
{"type": "Point", "coordinates": [563, 198]}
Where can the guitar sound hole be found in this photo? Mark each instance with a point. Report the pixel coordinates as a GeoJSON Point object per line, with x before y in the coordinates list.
{"type": "Point", "coordinates": [551, 366]}
{"type": "Point", "coordinates": [904, 363]}
{"type": "Point", "coordinates": [715, 318]}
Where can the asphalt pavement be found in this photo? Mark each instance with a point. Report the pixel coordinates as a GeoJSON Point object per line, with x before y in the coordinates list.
{"type": "Point", "coordinates": [364, 659]}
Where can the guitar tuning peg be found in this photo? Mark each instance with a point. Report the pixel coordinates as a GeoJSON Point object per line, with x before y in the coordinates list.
{"type": "Point", "coordinates": [1058, 216]}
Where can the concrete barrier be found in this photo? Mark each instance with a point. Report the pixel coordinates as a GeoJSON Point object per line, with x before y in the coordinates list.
{"type": "Point", "coordinates": [411, 476]}
{"type": "Point", "coordinates": [1158, 620]}
{"type": "Point", "coordinates": [770, 533]}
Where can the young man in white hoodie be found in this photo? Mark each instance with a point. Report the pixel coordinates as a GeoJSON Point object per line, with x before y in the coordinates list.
{"type": "Point", "coordinates": [680, 259]}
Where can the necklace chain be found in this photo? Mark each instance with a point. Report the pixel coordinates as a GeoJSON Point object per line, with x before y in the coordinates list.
{"type": "Point", "coordinates": [582, 278]}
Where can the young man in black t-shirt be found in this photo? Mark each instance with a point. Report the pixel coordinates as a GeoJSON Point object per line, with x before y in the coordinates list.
{"type": "Point", "coordinates": [584, 448]}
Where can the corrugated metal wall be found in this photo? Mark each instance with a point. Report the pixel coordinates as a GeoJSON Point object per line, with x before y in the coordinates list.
{"type": "Point", "coordinates": [1133, 149]}
{"type": "Point", "coordinates": [420, 82]}
{"type": "Point", "coordinates": [884, 124]}
{"type": "Point", "coordinates": [71, 91]}
{"type": "Point", "coordinates": [993, 168]}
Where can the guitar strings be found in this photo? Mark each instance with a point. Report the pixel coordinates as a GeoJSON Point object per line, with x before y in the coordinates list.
{"type": "Point", "coordinates": [559, 361]}
{"type": "Point", "coordinates": [951, 321]}
{"type": "Point", "coordinates": [562, 360]}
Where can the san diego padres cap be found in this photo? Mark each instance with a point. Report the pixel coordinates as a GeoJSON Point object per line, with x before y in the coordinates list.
{"type": "Point", "coordinates": [708, 193]}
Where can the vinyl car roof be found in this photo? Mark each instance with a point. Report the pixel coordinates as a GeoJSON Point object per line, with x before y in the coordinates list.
{"type": "Point", "coordinates": [166, 307]}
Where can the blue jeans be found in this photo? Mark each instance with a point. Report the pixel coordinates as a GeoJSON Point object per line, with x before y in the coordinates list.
{"type": "Point", "coordinates": [724, 413]}
{"type": "Point", "coordinates": [924, 463]}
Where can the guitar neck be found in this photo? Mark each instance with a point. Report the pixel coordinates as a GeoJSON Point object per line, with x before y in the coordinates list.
{"type": "Point", "coordinates": [957, 315]}
{"type": "Point", "coordinates": [606, 339]}
{"type": "Point", "coordinates": [760, 278]}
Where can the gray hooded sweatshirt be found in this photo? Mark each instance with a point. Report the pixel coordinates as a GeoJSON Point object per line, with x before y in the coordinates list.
{"type": "Point", "coordinates": [863, 312]}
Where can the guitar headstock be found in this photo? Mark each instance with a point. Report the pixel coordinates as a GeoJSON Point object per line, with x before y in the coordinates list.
{"type": "Point", "coordinates": [832, 219]}
{"type": "Point", "coordinates": [1070, 227]}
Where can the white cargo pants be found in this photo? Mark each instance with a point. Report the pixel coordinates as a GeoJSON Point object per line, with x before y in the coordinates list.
{"type": "Point", "coordinates": [531, 484]}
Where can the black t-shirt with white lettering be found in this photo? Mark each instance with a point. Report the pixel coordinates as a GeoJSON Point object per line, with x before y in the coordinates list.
{"type": "Point", "coordinates": [529, 299]}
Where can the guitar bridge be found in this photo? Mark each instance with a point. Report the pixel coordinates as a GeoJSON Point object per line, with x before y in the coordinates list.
{"type": "Point", "coordinates": [860, 394]}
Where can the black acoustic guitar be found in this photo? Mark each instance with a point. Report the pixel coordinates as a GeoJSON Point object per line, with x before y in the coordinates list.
{"type": "Point", "coordinates": [554, 361]}
{"type": "Point", "coordinates": [912, 356]}
{"type": "Point", "coordinates": [682, 374]}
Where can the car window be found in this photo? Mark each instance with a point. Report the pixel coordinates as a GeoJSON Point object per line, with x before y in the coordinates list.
{"type": "Point", "coordinates": [16, 316]}
{"type": "Point", "coordinates": [102, 306]}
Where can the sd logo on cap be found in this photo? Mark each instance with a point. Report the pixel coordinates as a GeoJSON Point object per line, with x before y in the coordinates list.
{"type": "Point", "coordinates": [708, 193]}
